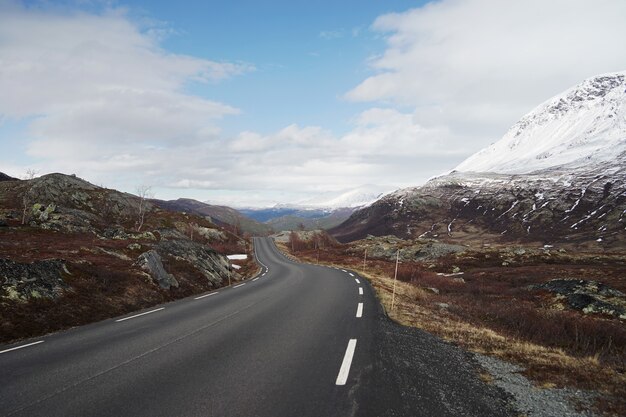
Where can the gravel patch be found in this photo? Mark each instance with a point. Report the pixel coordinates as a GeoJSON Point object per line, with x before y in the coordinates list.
{"type": "Point", "coordinates": [532, 401]}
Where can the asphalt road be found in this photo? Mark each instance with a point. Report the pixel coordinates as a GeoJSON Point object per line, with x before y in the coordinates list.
{"type": "Point", "coordinates": [298, 340]}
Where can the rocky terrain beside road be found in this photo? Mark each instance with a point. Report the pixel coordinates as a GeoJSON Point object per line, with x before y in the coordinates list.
{"type": "Point", "coordinates": [72, 252]}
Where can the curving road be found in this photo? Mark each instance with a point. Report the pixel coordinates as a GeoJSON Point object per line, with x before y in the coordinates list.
{"type": "Point", "coordinates": [298, 340]}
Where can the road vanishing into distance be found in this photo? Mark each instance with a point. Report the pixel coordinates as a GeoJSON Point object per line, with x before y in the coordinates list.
{"type": "Point", "coordinates": [296, 340]}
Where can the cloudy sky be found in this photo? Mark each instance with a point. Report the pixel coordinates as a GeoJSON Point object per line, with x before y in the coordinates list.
{"type": "Point", "coordinates": [249, 103]}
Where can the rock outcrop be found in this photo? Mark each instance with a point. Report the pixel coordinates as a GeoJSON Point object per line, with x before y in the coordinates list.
{"type": "Point", "coordinates": [24, 281]}
{"type": "Point", "coordinates": [588, 296]}
{"type": "Point", "coordinates": [152, 263]}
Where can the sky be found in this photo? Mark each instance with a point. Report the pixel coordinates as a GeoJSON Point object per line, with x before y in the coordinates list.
{"type": "Point", "coordinates": [250, 103]}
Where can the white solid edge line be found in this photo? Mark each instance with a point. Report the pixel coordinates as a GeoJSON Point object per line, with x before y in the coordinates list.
{"type": "Point", "coordinates": [255, 279]}
{"type": "Point", "coordinates": [240, 285]}
{"type": "Point", "coordinates": [359, 311]}
{"type": "Point", "coordinates": [206, 295]}
{"type": "Point", "coordinates": [347, 362]}
{"type": "Point", "coordinates": [351, 274]}
{"type": "Point", "coordinates": [141, 314]}
{"type": "Point", "coordinates": [357, 280]}
{"type": "Point", "coordinates": [360, 290]}
{"type": "Point", "coordinates": [20, 347]}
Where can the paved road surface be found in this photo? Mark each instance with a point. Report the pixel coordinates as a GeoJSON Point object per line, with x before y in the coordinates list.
{"type": "Point", "coordinates": [298, 340]}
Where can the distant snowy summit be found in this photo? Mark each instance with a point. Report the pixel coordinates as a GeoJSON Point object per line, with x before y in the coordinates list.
{"type": "Point", "coordinates": [357, 197]}
{"type": "Point", "coordinates": [584, 126]}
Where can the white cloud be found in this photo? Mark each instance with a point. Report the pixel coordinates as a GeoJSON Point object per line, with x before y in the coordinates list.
{"type": "Point", "coordinates": [476, 66]}
{"type": "Point", "coordinates": [104, 100]}
{"type": "Point", "coordinates": [97, 88]}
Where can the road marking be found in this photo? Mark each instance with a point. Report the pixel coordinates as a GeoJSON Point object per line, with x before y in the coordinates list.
{"type": "Point", "coordinates": [141, 314]}
{"type": "Point", "coordinates": [240, 285]}
{"type": "Point", "coordinates": [359, 311]}
{"type": "Point", "coordinates": [255, 279]}
{"type": "Point", "coordinates": [344, 270]}
{"type": "Point", "coordinates": [360, 290]}
{"type": "Point", "coordinates": [206, 295]}
{"type": "Point", "coordinates": [264, 274]}
{"type": "Point", "coordinates": [20, 347]}
{"type": "Point", "coordinates": [351, 274]}
{"type": "Point", "coordinates": [347, 362]}
{"type": "Point", "coordinates": [357, 280]}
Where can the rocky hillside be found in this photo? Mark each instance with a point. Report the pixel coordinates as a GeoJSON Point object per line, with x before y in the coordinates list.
{"type": "Point", "coordinates": [72, 252]}
{"type": "Point", "coordinates": [224, 216]}
{"type": "Point", "coordinates": [578, 194]}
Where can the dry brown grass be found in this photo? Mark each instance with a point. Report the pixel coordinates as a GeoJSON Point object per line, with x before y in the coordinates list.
{"type": "Point", "coordinates": [597, 367]}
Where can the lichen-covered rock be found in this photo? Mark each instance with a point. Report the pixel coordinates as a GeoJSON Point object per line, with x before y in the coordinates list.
{"type": "Point", "coordinates": [24, 281]}
{"type": "Point", "coordinates": [152, 263]}
{"type": "Point", "coordinates": [590, 297]}
{"type": "Point", "coordinates": [214, 266]}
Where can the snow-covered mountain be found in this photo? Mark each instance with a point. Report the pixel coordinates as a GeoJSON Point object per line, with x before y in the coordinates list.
{"type": "Point", "coordinates": [558, 175]}
{"type": "Point", "coordinates": [584, 125]}
{"type": "Point", "coordinates": [357, 197]}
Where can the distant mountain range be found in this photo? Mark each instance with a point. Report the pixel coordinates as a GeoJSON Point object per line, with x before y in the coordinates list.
{"type": "Point", "coordinates": [558, 175]}
{"type": "Point", "coordinates": [221, 215]}
{"type": "Point", "coordinates": [320, 212]}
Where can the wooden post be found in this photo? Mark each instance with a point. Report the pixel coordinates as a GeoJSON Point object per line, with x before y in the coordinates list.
{"type": "Point", "coordinates": [395, 277]}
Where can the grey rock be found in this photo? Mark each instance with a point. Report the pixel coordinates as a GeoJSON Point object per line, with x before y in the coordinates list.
{"type": "Point", "coordinates": [214, 266]}
{"type": "Point", "coordinates": [24, 281]}
{"type": "Point", "coordinates": [152, 263]}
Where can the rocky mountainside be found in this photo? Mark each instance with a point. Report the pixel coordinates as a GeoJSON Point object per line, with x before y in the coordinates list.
{"type": "Point", "coordinates": [72, 252]}
{"type": "Point", "coordinates": [221, 215]}
{"type": "Point", "coordinates": [575, 145]}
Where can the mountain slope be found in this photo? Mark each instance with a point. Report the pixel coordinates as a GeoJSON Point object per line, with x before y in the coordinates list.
{"type": "Point", "coordinates": [584, 125]}
{"type": "Point", "coordinates": [222, 215]}
{"type": "Point", "coordinates": [574, 145]}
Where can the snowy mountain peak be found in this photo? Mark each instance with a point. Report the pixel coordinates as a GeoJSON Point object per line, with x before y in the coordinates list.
{"type": "Point", "coordinates": [584, 125]}
{"type": "Point", "coordinates": [358, 197]}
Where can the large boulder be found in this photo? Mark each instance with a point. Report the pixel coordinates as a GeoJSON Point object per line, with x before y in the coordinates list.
{"type": "Point", "coordinates": [214, 266]}
{"type": "Point", "coordinates": [152, 263]}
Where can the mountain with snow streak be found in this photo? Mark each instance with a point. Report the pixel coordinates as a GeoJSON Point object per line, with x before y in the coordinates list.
{"type": "Point", "coordinates": [584, 125]}
{"type": "Point", "coordinates": [557, 176]}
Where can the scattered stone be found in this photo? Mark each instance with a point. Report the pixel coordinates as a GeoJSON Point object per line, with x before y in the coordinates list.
{"type": "Point", "coordinates": [443, 306]}
{"type": "Point", "coordinates": [531, 401]}
{"type": "Point", "coordinates": [134, 246]}
{"type": "Point", "coordinates": [456, 269]}
{"type": "Point", "coordinates": [432, 289]}
{"type": "Point", "coordinates": [458, 280]}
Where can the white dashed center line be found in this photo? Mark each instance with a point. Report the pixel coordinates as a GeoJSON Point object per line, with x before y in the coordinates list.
{"type": "Point", "coordinates": [205, 295]}
{"type": "Point", "coordinates": [360, 290]}
{"type": "Point", "coordinates": [347, 362]}
{"type": "Point", "coordinates": [351, 274]}
{"type": "Point", "coordinates": [20, 347]}
{"type": "Point", "coordinates": [344, 270]}
{"type": "Point", "coordinates": [240, 285]}
{"type": "Point", "coordinates": [255, 279]}
{"type": "Point", "coordinates": [359, 311]}
{"type": "Point", "coordinates": [357, 280]}
{"type": "Point", "coordinates": [140, 314]}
